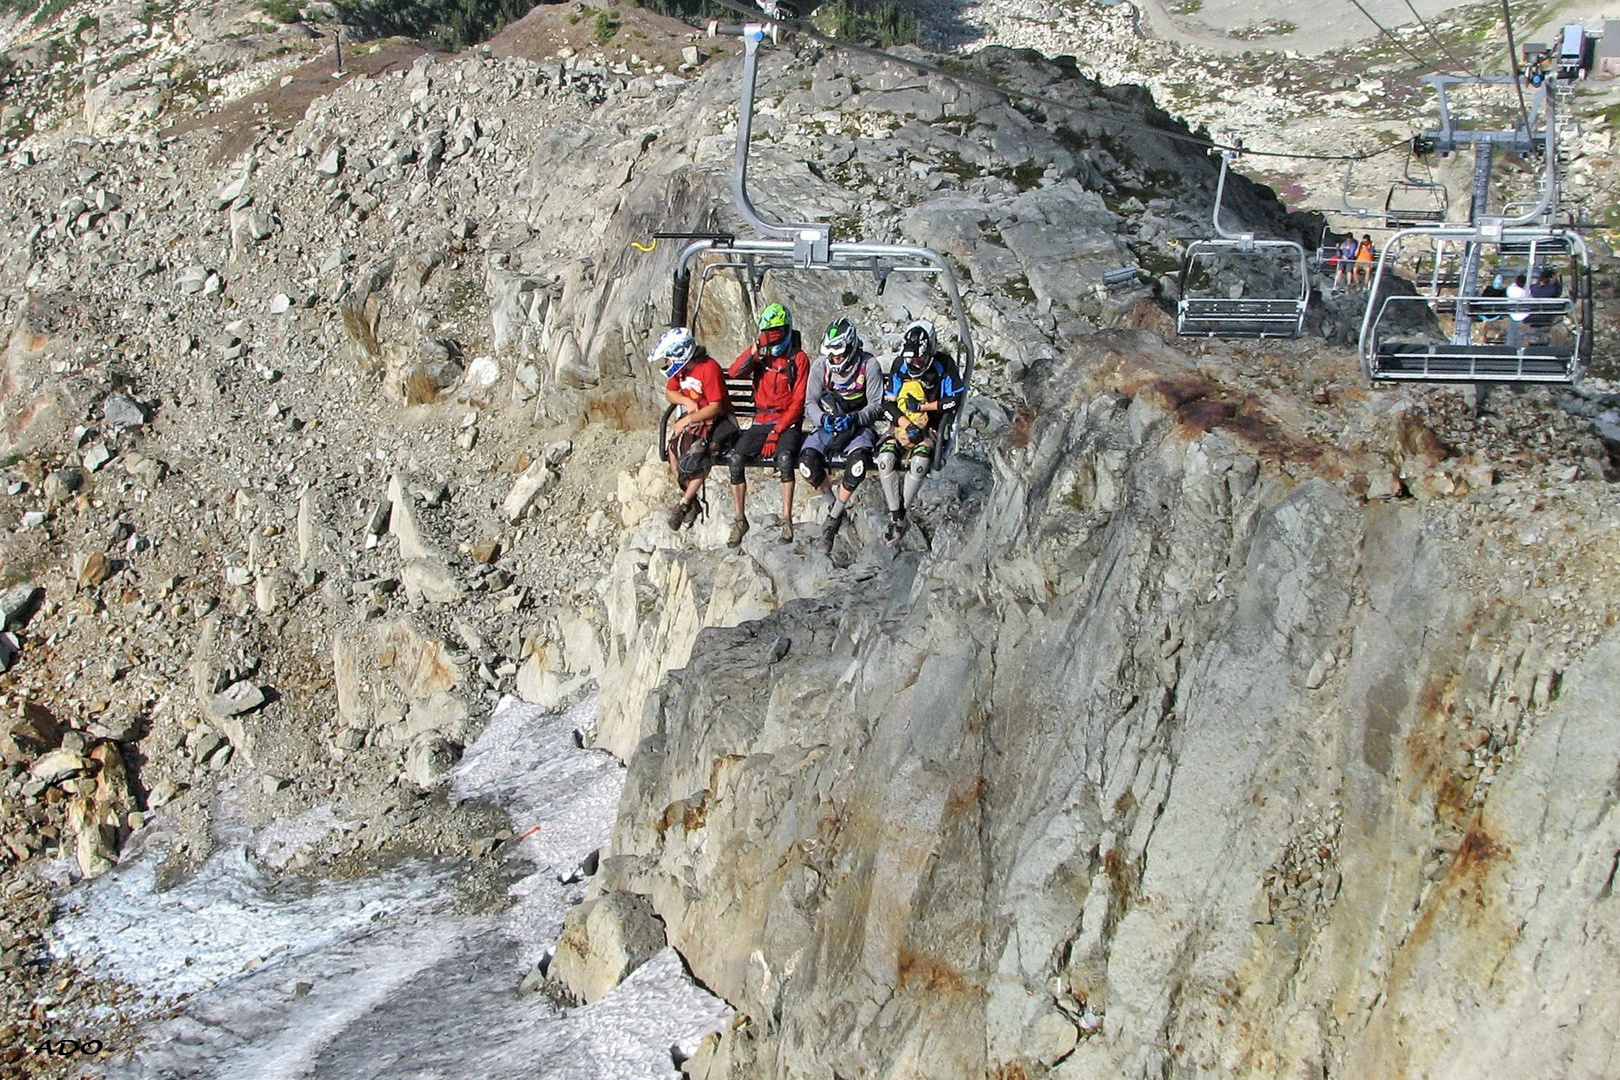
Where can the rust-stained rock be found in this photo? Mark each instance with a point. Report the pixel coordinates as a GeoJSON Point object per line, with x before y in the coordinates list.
{"type": "Point", "coordinates": [91, 570]}
{"type": "Point", "coordinates": [421, 666]}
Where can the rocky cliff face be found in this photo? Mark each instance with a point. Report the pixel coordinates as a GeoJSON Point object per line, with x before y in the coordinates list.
{"type": "Point", "coordinates": [1224, 717]}
{"type": "Point", "coordinates": [1175, 756]}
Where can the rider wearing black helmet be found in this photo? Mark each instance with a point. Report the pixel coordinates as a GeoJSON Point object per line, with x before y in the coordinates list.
{"type": "Point", "coordinates": [922, 392]}
{"type": "Point", "coordinates": [843, 401]}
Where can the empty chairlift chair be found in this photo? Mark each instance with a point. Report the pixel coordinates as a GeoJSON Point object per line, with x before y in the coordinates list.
{"type": "Point", "coordinates": [1415, 200]}
{"type": "Point", "coordinates": [1284, 288]}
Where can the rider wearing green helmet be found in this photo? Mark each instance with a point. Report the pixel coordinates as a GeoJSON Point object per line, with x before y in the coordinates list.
{"type": "Point", "coordinates": [780, 370]}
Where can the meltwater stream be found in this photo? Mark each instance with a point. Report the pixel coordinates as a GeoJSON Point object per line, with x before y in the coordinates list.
{"type": "Point", "coordinates": [380, 977]}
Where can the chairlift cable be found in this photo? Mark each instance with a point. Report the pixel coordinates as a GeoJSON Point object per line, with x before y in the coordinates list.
{"type": "Point", "coordinates": [1434, 37]}
{"type": "Point", "coordinates": [801, 27]}
{"type": "Point", "coordinates": [1399, 44]}
{"type": "Point", "coordinates": [1513, 59]}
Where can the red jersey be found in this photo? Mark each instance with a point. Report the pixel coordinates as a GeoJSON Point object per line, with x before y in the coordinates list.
{"type": "Point", "coordinates": [703, 380]}
{"type": "Point", "coordinates": [779, 384]}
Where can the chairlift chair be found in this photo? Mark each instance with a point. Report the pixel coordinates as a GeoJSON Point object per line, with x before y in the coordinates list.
{"type": "Point", "coordinates": [1415, 200]}
{"type": "Point", "coordinates": [783, 247]}
{"type": "Point", "coordinates": [1280, 315]}
{"type": "Point", "coordinates": [1439, 331]}
{"type": "Point", "coordinates": [1432, 335]}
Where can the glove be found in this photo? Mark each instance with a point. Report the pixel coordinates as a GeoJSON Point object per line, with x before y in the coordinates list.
{"type": "Point", "coordinates": [832, 423]}
{"type": "Point", "coordinates": [910, 404]}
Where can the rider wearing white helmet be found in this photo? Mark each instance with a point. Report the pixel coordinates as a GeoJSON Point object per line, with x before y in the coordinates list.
{"type": "Point", "coordinates": [703, 430]}
{"type": "Point", "coordinates": [844, 401]}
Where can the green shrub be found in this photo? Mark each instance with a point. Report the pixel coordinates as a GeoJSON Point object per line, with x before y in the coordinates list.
{"type": "Point", "coordinates": [283, 11]}
{"type": "Point", "coordinates": [881, 23]}
{"type": "Point", "coordinates": [450, 24]}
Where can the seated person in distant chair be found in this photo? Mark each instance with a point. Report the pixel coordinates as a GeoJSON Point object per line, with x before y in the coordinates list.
{"type": "Point", "coordinates": [1548, 286]}
{"type": "Point", "coordinates": [1515, 328]}
{"type": "Point", "coordinates": [1496, 290]}
{"type": "Point", "coordinates": [1365, 254]}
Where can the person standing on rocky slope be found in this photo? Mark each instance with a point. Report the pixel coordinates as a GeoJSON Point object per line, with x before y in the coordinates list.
{"type": "Point", "coordinates": [704, 429]}
{"type": "Point", "coordinates": [780, 370]}
{"type": "Point", "coordinates": [843, 403]}
{"type": "Point", "coordinates": [1345, 257]}
{"type": "Point", "coordinates": [920, 396]}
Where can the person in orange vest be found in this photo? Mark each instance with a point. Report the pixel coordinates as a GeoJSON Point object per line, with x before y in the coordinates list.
{"type": "Point", "coordinates": [1364, 259]}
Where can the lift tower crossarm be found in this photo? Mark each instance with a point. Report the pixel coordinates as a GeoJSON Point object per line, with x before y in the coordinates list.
{"type": "Point", "coordinates": [1520, 140]}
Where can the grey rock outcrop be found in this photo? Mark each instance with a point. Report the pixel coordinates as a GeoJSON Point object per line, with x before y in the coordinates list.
{"type": "Point", "coordinates": [1076, 793]}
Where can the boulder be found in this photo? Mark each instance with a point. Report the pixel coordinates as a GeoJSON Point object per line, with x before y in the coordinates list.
{"type": "Point", "coordinates": [533, 481]}
{"type": "Point", "coordinates": [35, 732]}
{"type": "Point", "coordinates": [240, 697]}
{"type": "Point", "coordinates": [429, 759]}
{"type": "Point", "coordinates": [430, 581]}
{"type": "Point", "coordinates": [120, 412]}
{"type": "Point", "coordinates": [18, 605]}
{"type": "Point", "coordinates": [331, 162]}
{"type": "Point", "coordinates": [603, 941]}
{"type": "Point", "coordinates": [59, 765]}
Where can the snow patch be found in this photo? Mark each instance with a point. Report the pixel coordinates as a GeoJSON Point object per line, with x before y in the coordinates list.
{"type": "Point", "coordinates": [381, 977]}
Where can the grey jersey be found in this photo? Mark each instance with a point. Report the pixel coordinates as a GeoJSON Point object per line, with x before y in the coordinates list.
{"type": "Point", "coordinates": [868, 378]}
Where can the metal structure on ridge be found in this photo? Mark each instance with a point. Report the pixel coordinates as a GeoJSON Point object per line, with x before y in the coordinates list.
{"type": "Point", "coordinates": [1280, 314]}
{"type": "Point", "coordinates": [809, 246]}
{"type": "Point", "coordinates": [1460, 323]}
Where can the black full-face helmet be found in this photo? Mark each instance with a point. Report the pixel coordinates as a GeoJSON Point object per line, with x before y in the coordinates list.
{"type": "Point", "coordinates": [917, 347]}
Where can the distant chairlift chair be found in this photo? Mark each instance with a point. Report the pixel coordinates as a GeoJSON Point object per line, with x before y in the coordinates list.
{"type": "Point", "coordinates": [1415, 200]}
{"type": "Point", "coordinates": [1436, 333]}
{"type": "Point", "coordinates": [1436, 336]}
{"type": "Point", "coordinates": [1279, 316]}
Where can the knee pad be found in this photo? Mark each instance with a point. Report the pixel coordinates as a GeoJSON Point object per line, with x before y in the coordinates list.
{"type": "Point", "coordinates": [813, 467]}
{"type": "Point", "coordinates": [784, 463]}
{"type": "Point", "coordinates": [885, 463]}
{"type": "Point", "coordinates": [855, 469]}
{"type": "Point", "coordinates": [919, 465]}
{"type": "Point", "coordinates": [735, 459]}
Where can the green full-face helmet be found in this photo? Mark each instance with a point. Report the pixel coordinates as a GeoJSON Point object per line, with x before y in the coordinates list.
{"type": "Point", "coordinates": [775, 330]}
